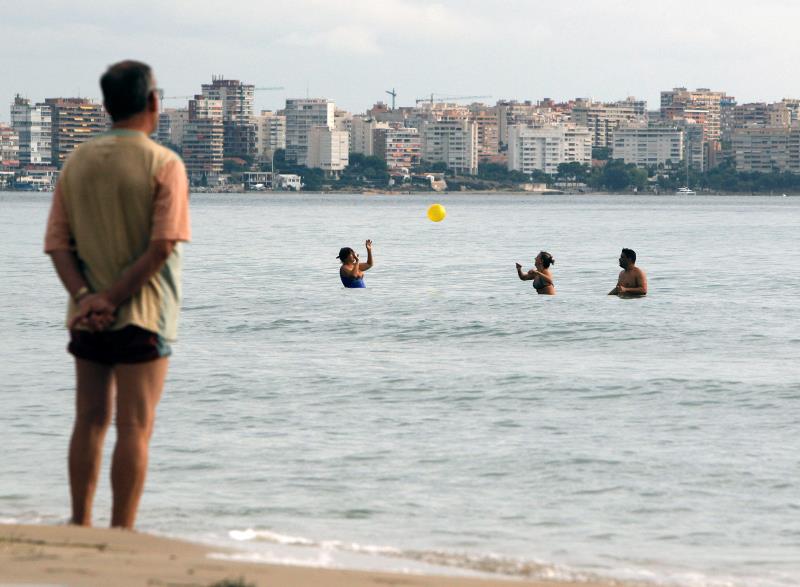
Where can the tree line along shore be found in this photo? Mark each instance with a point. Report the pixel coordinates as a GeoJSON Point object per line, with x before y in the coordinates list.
{"type": "Point", "coordinates": [604, 175]}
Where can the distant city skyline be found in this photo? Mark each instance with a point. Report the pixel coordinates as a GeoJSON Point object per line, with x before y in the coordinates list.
{"type": "Point", "coordinates": [511, 50]}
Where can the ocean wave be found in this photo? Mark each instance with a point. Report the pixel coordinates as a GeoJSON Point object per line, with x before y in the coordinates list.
{"type": "Point", "coordinates": [268, 536]}
{"type": "Point", "coordinates": [491, 564]}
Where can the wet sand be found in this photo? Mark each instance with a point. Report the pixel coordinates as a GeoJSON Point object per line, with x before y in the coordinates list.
{"type": "Point", "coordinates": [92, 557]}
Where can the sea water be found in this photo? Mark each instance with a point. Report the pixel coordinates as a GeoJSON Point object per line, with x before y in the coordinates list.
{"type": "Point", "coordinates": [447, 415]}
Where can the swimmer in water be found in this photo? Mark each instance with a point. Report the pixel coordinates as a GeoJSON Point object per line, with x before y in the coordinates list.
{"type": "Point", "coordinates": [352, 272]}
{"type": "Point", "coordinates": [632, 281]}
{"type": "Point", "coordinates": [542, 277]}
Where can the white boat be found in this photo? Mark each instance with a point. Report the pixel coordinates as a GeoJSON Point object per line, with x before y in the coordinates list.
{"type": "Point", "coordinates": [685, 191]}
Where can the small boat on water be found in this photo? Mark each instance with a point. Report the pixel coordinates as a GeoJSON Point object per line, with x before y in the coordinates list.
{"type": "Point", "coordinates": [685, 191]}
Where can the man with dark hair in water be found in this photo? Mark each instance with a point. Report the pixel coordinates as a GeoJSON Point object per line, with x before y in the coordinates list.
{"type": "Point", "coordinates": [119, 212]}
{"type": "Point", "coordinates": [632, 281]}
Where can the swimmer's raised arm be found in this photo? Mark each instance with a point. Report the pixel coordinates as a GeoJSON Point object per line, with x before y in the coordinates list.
{"type": "Point", "coordinates": [532, 274]}
{"type": "Point", "coordinates": [368, 264]}
{"type": "Point", "coordinates": [524, 276]}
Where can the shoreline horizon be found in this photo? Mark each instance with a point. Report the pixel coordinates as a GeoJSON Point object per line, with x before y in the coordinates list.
{"type": "Point", "coordinates": [502, 192]}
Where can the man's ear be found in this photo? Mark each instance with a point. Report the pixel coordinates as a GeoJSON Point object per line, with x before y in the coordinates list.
{"type": "Point", "coordinates": [152, 101]}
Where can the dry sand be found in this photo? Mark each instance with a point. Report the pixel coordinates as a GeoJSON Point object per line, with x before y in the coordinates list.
{"type": "Point", "coordinates": [91, 557]}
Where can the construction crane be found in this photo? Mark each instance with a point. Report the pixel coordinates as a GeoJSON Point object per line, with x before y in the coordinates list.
{"type": "Point", "coordinates": [442, 98]}
{"type": "Point", "coordinates": [393, 94]}
{"type": "Point", "coordinates": [162, 97]}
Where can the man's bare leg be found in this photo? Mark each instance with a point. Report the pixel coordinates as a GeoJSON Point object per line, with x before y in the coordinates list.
{"type": "Point", "coordinates": [93, 407]}
{"type": "Point", "coordinates": [139, 389]}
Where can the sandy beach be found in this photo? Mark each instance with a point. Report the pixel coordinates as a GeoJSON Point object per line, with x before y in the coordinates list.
{"type": "Point", "coordinates": [91, 557]}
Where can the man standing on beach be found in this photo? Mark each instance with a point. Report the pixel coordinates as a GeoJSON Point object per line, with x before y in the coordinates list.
{"type": "Point", "coordinates": [632, 281]}
{"type": "Point", "coordinates": [119, 210]}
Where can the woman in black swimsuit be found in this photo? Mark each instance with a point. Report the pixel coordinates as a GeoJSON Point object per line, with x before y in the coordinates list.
{"type": "Point", "coordinates": [542, 277]}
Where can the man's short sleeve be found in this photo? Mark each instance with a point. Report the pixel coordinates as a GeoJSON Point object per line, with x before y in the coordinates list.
{"type": "Point", "coordinates": [57, 235]}
{"type": "Point", "coordinates": [171, 204]}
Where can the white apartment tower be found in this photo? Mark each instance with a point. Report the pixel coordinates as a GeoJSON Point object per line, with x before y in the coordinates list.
{"type": "Point", "coordinates": [33, 124]}
{"type": "Point", "coordinates": [301, 116]}
{"type": "Point", "coordinates": [513, 113]}
{"type": "Point", "coordinates": [361, 134]}
{"type": "Point", "coordinates": [271, 133]}
{"type": "Point", "coordinates": [172, 126]}
{"type": "Point", "coordinates": [327, 149]}
{"type": "Point", "coordinates": [545, 148]}
{"type": "Point", "coordinates": [648, 146]}
{"type": "Point", "coordinates": [453, 142]}
{"type": "Point", "coordinates": [603, 119]}
{"type": "Point", "coordinates": [203, 141]}
{"type": "Point", "coordinates": [343, 120]}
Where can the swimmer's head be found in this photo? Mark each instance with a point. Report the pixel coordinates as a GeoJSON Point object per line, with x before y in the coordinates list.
{"type": "Point", "coordinates": [627, 258]}
{"type": "Point", "coordinates": [346, 255]}
{"type": "Point", "coordinates": [546, 259]}
{"type": "Point", "coordinates": [129, 88]}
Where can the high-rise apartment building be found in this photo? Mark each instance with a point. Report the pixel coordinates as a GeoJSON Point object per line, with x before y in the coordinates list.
{"type": "Point", "coordinates": [648, 146]}
{"type": "Point", "coordinates": [400, 147]}
{"type": "Point", "coordinates": [362, 133]}
{"type": "Point", "coordinates": [675, 102]}
{"type": "Point", "coordinates": [452, 142]}
{"type": "Point", "coordinates": [545, 148]}
{"type": "Point", "coordinates": [239, 128]}
{"type": "Point", "coordinates": [754, 115]}
{"type": "Point", "coordinates": [343, 120]}
{"type": "Point", "coordinates": [400, 115]}
{"type": "Point", "coordinates": [704, 107]}
{"type": "Point", "coordinates": [172, 126]}
{"type": "Point", "coordinates": [271, 133]}
{"type": "Point", "coordinates": [203, 141]}
{"type": "Point", "coordinates": [602, 119]}
{"type": "Point", "coordinates": [485, 118]}
{"type": "Point", "coordinates": [301, 116]}
{"type": "Point", "coordinates": [766, 150]}
{"type": "Point", "coordinates": [512, 113]}
{"type": "Point", "coordinates": [9, 146]}
{"type": "Point", "coordinates": [694, 147]}
{"type": "Point", "coordinates": [33, 124]}
{"type": "Point", "coordinates": [793, 105]}
{"type": "Point", "coordinates": [74, 121]}
{"type": "Point", "coordinates": [237, 98]}
{"type": "Point", "coordinates": [327, 149]}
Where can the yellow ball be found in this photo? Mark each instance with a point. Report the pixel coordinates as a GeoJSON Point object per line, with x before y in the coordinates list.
{"type": "Point", "coordinates": [436, 213]}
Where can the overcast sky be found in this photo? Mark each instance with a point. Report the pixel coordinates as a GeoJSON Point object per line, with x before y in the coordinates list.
{"type": "Point", "coordinates": [352, 51]}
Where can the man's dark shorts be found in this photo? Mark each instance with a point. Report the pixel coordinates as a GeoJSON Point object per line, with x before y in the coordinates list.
{"type": "Point", "coordinates": [130, 344]}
